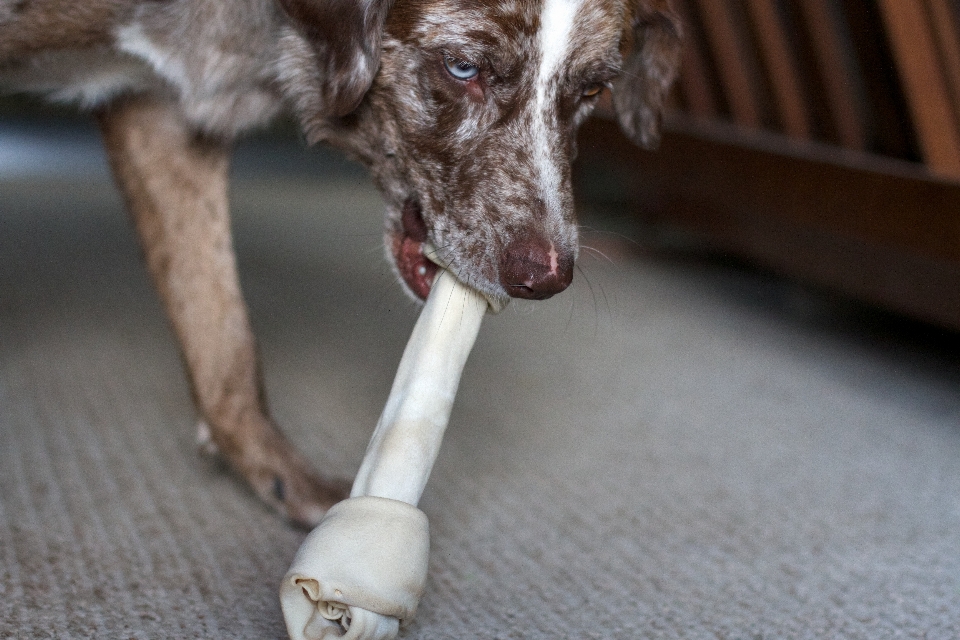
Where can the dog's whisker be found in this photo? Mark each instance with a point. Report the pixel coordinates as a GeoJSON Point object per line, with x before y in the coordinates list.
{"type": "Point", "coordinates": [608, 232]}
{"type": "Point", "coordinates": [593, 294]}
{"type": "Point", "coordinates": [573, 301]}
{"type": "Point", "coordinates": [596, 252]}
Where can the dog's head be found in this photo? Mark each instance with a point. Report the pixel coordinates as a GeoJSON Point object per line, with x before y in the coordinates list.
{"type": "Point", "coordinates": [466, 112]}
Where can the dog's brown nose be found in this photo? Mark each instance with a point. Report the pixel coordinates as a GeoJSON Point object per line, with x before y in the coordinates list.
{"type": "Point", "coordinates": [533, 268]}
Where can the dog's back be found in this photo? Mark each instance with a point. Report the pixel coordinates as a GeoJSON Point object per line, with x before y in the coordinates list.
{"type": "Point", "coordinates": [216, 59]}
{"type": "Point", "coordinates": [31, 26]}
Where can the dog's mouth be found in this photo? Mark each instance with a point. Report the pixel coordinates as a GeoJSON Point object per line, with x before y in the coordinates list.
{"type": "Point", "coordinates": [408, 246]}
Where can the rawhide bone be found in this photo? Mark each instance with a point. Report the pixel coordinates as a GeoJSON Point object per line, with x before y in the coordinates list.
{"type": "Point", "coordinates": [360, 574]}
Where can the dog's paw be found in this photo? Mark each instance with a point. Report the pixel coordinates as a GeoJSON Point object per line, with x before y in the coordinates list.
{"type": "Point", "coordinates": [298, 492]}
{"type": "Point", "coordinates": [275, 470]}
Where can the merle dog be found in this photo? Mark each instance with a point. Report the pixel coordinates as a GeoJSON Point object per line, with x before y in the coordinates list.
{"type": "Point", "coordinates": [464, 111]}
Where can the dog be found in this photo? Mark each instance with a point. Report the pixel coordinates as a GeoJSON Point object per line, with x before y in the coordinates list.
{"type": "Point", "coordinates": [464, 111]}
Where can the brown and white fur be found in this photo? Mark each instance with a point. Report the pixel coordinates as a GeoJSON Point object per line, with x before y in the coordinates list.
{"type": "Point", "coordinates": [479, 165]}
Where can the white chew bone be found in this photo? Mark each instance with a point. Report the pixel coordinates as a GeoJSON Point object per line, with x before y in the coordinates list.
{"type": "Point", "coordinates": [361, 572]}
{"type": "Point", "coordinates": [407, 439]}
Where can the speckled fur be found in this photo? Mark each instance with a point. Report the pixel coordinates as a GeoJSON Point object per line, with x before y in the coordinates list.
{"type": "Point", "coordinates": [467, 160]}
{"type": "Point", "coordinates": [485, 161]}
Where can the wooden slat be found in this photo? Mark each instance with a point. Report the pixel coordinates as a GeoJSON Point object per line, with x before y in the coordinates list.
{"type": "Point", "coordinates": [732, 58]}
{"type": "Point", "coordinates": [837, 71]}
{"type": "Point", "coordinates": [946, 32]}
{"type": "Point", "coordinates": [883, 231]}
{"type": "Point", "coordinates": [911, 38]}
{"type": "Point", "coordinates": [780, 63]}
{"type": "Point", "coordinates": [695, 81]}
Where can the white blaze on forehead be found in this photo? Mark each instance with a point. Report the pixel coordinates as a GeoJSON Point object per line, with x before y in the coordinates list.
{"type": "Point", "coordinates": [556, 27]}
{"type": "Point", "coordinates": [557, 20]}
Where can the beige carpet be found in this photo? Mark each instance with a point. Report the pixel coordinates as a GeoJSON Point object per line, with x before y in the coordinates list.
{"type": "Point", "coordinates": [675, 448]}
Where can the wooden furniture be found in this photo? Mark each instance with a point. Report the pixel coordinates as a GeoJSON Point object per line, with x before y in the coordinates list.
{"type": "Point", "coordinates": [817, 137]}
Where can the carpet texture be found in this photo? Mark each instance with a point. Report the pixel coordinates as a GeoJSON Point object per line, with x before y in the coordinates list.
{"type": "Point", "coordinates": [675, 448]}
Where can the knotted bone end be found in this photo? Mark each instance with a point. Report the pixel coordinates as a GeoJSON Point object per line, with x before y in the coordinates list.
{"type": "Point", "coordinates": [368, 553]}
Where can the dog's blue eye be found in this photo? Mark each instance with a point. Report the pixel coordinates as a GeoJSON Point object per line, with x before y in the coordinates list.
{"type": "Point", "coordinates": [459, 69]}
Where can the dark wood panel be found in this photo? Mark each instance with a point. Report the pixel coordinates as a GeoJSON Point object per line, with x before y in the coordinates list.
{"type": "Point", "coordinates": [881, 230]}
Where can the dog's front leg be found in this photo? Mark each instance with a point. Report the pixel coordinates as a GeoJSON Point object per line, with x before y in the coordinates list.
{"type": "Point", "coordinates": [175, 185]}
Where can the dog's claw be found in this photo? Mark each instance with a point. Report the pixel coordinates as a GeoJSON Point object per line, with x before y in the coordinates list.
{"type": "Point", "coordinates": [205, 439]}
{"type": "Point", "coordinates": [279, 490]}
{"type": "Point", "coordinates": [295, 490]}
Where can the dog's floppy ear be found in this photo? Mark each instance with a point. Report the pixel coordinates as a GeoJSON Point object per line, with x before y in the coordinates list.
{"type": "Point", "coordinates": [345, 37]}
{"type": "Point", "coordinates": [651, 61]}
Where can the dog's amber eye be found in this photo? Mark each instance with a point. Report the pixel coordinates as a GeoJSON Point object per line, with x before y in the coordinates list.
{"type": "Point", "coordinates": [592, 90]}
{"type": "Point", "coordinates": [460, 69]}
